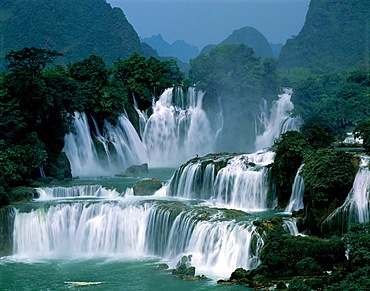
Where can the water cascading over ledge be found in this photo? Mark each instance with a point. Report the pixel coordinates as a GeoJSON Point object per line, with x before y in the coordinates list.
{"type": "Point", "coordinates": [356, 207]}
{"type": "Point", "coordinates": [178, 129]}
{"type": "Point", "coordinates": [296, 199]}
{"type": "Point", "coordinates": [278, 121]}
{"type": "Point", "coordinates": [239, 182]}
{"type": "Point", "coordinates": [120, 147]}
{"type": "Point", "coordinates": [130, 228]}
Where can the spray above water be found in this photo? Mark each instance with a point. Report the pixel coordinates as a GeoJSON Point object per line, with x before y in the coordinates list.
{"type": "Point", "coordinates": [279, 121]}
{"type": "Point", "coordinates": [177, 129]}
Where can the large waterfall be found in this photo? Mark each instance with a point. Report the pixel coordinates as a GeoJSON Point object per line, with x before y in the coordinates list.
{"type": "Point", "coordinates": [178, 129]}
{"type": "Point", "coordinates": [278, 121]}
{"type": "Point", "coordinates": [135, 228]}
{"type": "Point", "coordinates": [356, 207]}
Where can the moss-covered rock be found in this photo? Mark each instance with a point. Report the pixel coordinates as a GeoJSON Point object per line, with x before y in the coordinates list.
{"type": "Point", "coordinates": [147, 187]}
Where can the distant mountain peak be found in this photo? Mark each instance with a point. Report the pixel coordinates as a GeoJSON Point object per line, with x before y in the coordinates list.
{"type": "Point", "coordinates": [249, 36]}
{"type": "Point", "coordinates": [179, 49]}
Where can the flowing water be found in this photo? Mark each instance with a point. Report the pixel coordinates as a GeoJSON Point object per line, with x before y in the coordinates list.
{"type": "Point", "coordinates": [278, 121]}
{"type": "Point", "coordinates": [356, 207]}
{"type": "Point", "coordinates": [93, 231]}
{"type": "Point", "coordinates": [296, 199]}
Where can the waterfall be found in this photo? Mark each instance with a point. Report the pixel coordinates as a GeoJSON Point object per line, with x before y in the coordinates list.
{"type": "Point", "coordinates": [356, 207]}
{"type": "Point", "coordinates": [134, 229]}
{"type": "Point", "coordinates": [290, 226]}
{"type": "Point", "coordinates": [296, 199]}
{"type": "Point", "coordinates": [240, 184]}
{"type": "Point", "coordinates": [279, 121]}
{"type": "Point", "coordinates": [121, 147]}
{"type": "Point", "coordinates": [178, 129]}
{"type": "Point", "coordinates": [243, 183]}
{"type": "Point", "coordinates": [76, 191]}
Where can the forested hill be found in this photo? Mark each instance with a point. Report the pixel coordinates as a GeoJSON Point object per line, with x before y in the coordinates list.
{"type": "Point", "coordinates": [77, 29]}
{"type": "Point", "coordinates": [335, 37]}
{"type": "Point", "coordinates": [250, 37]}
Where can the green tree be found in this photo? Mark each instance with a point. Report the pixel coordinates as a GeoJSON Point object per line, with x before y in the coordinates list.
{"type": "Point", "coordinates": [30, 61]}
{"type": "Point", "coordinates": [290, 151]}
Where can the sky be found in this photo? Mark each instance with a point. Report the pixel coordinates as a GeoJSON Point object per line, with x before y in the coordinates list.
{"type": "Point", "coordinates": [203, 22]}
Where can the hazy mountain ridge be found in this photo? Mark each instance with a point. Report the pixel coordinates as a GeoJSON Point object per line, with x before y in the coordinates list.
{"type": "Point", "coordinates": [249, 36]}
{"type": "Point", "coordinates": [335, 37]}
{"type": "Point", "coordinates": [77, 29]}
{"type": "Point", "coordinates": [178, 49]}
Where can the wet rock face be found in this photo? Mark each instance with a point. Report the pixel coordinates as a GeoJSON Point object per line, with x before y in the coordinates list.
{"type": "Point", "coordinates": [6, 230]}
{"type": "Point", "coordinates": [185, 271]}
{"type": "Point", "coordinates": [147, 187]}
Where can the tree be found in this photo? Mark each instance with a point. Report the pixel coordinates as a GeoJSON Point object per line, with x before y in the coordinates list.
{"type": "Point", "coordinates": [30, 61]}
{"type": "Point", "coordinates": [290, 151]}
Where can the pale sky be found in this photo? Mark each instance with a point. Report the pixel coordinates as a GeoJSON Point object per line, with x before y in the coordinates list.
{"type": "Point", "coordinates": [203, 22]}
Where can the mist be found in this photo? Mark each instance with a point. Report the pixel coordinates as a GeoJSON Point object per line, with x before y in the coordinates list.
{"type": "Point", "coordinates": [203, 22]}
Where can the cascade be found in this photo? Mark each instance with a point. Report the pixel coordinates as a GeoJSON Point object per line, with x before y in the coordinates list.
{"type": "Point", "coordinates": [290, 226]}
{"type": "Point", "coordinates": [121, 147]}
{"type": "Point", "coordinates": [138, 229]}
{"type": "Point", "coordinates": [296, 199]}
{"type": "Point", "coordinates": [279, 121]}
{"type": "Point", "coordinates": [356, 207]}
{"type": "Point", "coordinates": [178, 128]}
{"type": "Point", "coordinates": [76, 191]}
{"type": "Point", "coordinates": [241, 184]}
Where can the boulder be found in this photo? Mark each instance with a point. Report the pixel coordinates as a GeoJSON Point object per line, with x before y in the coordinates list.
{"type": "Point", "coordinates": [147, 187]}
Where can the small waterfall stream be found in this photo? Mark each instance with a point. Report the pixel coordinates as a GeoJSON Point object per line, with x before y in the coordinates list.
{"type": "Point", "coordinates": [296, 199]}
{"type": "Point", "coordinates": [356, 207]}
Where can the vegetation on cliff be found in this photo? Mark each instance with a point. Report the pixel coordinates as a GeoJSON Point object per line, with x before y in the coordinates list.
{"type": "Point", "coordinates": [335, 37]}
{"type": "Point", "coordinates": [38, 101]}
{"type": "Point", "coordinates": [77, 29]}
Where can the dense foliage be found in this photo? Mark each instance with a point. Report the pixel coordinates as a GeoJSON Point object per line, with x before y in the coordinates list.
{"type": "Point", "coordinates": [335, 37]}
{"type": "Point", "coordinates": [38, 102]}
{"type": "Point", "coordinates": [289, 157]}
{"type": "Point", "coordinates": [77, 29]}
{"type": "Point", "coordinates": [333, 101]}
{"type": "Point", "coordinates": [235, 79]}
{"type": "Point", "coordinates": [358, 244]}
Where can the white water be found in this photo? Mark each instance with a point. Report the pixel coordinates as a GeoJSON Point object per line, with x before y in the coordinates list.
{"type": "Point", "coordinates": [242, 184]}
{"type": "Point", "coordinates": [76, 191]}
{"type": "Point", "coordinates": [121, 148]}
{"type": "Point", "coordinates": [127, 229]}
{"type": "Point", "coordinates": [296, 199]}
{"type": "Point", "coordinates": [177, 131]}
{"type": "Point", "coordinates": [279, 121]}
{"type": "Point", "coordinates": [356, 207]}
{"type": "Point", "coordinates": [291, 226]}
